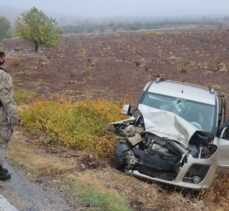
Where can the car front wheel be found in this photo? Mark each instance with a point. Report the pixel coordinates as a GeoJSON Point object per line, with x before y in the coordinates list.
{"type": "Point", "coordinates": [120, 155]}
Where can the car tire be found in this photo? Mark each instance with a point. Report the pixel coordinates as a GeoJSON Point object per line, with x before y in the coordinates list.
{"type": "Point", "coordinates": [121, 150]}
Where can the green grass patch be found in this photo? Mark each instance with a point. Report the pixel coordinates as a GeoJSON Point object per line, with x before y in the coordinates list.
{"type": "Point", "coordinates": [93, 196]}
{"type": "Point", "coordinates": [78, 124]}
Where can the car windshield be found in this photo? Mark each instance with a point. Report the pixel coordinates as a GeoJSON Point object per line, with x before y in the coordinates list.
{"type": "Point", "coordinates": [198, 114]}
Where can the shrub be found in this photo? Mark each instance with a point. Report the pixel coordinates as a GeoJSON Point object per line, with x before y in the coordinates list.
{"type": "Point", "coordinates": [79, 125]}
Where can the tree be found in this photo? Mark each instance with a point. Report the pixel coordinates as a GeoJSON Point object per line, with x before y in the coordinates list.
{"type": "Point", "coordinates": [4, 28]}
{"type": "Point", "coordinates": [35, 26]}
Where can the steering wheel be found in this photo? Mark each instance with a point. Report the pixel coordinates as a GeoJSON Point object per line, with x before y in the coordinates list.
{"type": "Point", "coordinates": [196, 124]}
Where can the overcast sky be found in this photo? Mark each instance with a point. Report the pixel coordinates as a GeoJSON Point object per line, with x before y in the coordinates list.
{"type": "Point", "coordinates": [125, 8]}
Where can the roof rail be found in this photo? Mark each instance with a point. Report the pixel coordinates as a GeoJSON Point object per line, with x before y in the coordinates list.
{"type": "Point", "coordinates": [159, 79]}
{"type": "Point", "coordinates": [211, 89]}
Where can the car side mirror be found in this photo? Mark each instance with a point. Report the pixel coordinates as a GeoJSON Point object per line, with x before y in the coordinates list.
{"type": "Point", "coordinates": [225, 133]}
{"type": "Point", "coordinates": [126, 110]}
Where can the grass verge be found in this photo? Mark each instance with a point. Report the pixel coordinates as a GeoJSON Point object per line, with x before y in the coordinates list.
{"type": "Point", "coordinates": [107, 188]}
{"type": "Point", "coordinates": [37, 163]}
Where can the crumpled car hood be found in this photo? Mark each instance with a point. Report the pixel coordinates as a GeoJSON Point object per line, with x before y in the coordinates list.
{"type": "Point", "coordinates": [167, 124]}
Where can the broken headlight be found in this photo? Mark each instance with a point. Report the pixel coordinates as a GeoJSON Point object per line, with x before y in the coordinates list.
{"type": "Point", "coordinates": [203, 152]}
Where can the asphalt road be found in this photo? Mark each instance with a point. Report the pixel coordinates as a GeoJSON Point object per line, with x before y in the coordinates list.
{"type": "Point", "coordinates": [5, 205]}
{"type": "Point", "coordinates": [20, 193]}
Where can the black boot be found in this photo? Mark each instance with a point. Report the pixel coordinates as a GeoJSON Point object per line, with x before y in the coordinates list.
{"type": "Point", "coordinates": [3, 169]}
{"type": "Point", "coordinates": [4, 175]}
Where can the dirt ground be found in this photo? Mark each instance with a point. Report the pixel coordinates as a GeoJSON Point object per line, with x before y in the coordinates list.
{"type": "Point", "coordinates": [117, 66]}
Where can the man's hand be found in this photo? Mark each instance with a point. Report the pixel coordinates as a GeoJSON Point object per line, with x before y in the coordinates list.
{"type": "Point", "coordinates": [14, 120]}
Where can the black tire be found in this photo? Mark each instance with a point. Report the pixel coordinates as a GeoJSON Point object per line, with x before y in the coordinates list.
{"type": "Point", "coordinates": [121, 150]}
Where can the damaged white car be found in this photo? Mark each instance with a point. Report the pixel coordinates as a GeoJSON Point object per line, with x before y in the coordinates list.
{"type": "Point", "coordinates": [176, 135]}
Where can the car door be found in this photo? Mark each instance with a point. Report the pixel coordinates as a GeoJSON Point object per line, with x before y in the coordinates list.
{"type": "Point", "coordinates": [223, 149]}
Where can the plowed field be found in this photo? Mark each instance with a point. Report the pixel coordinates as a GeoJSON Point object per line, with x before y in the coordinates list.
{"type": "Point", "coordinates": [117, 65]}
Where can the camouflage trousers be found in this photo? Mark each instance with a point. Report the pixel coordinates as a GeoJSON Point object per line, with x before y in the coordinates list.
{"type": "Point", "coordinates": [6, 132]}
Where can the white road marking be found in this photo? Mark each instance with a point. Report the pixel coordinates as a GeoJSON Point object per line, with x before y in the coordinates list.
{"type": "Point", "coordinates": [5, 205]}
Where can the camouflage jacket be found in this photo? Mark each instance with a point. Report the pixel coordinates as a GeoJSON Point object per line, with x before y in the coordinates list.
{"type": "Point", "coordinates": [7, 104]}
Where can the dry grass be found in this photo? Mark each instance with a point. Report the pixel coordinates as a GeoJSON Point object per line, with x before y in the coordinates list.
{"type": "Point", "coordinates": [37, 163]}
{"type": "Point", "coordinates": [14, 61]}
{"type": "Point", "coordinates": [139, 193]}
{"type": "Point", "coordinates": [217, 197]}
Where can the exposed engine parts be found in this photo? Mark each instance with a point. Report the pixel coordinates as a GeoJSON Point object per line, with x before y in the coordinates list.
{"type": "Point", "coordinates": [158, 157]}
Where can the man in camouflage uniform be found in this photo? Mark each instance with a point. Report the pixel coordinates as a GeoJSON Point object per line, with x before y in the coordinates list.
{"type": "Point", "coordinates": [8, 115]}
